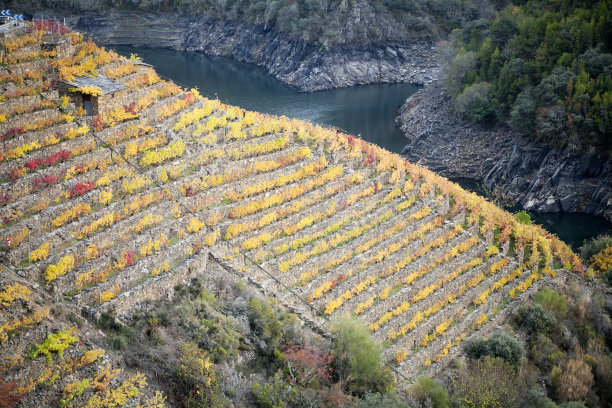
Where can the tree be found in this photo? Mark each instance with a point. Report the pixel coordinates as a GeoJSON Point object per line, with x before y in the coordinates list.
{"type": "Point", "coordinates": [522, 115]}
{"type": "Point", "coordinates": [475, 103]}
{"type": "Point", "coordinates": [534, 319]}
{"type": "Point", "coordinates": [502, 31]}
{"type": "Point", "coordinates": [455, 72]}
{"type": "Point", "coordinates": [358, 358]}
{"type": "Point", "coordinates": [487, 383]}
{"type": "Point", "coordinates": [500, 345]}
{"type": "Point", "coordinates": [553, 302]}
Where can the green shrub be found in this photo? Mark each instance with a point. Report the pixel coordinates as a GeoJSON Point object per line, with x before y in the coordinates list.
{"type": "Point", "coordinates": [358, 358]}
{"type": "Point", "coordinates": [429, 394]}
{"type": "Point", "coordinates": [273, 326]}
{"type": "Point", "coordinates": [307, 398]}
{"type": "Point", "coordinates": [487, 383]}
{"type": "Point", "coordinates": [477, 348]}
{"type": "Point", "coordinates": [545, 353]}
{"type": "Point", "coordinates": [553, 302]}
{"type": "Point", "coordinates": [594, 246]}
{"type": "Point", "coordinates": [381, 400]}
{"type": "Point", "coordinates": [534, 319]}
{"type": "Point", "coordinates": [573, 404]}
{"type": "Point", "coordinates": [523, 217]}
{"type": "Point", "coordinates": [195, 379]}
{"type": "Point", "coordinates": [275, 394]}
{"type": "Point", "coordinates": [500, 345]}
{"type": "Point", "coordinates": [535, 399]}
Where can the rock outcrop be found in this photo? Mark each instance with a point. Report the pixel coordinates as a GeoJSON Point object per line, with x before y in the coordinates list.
{"type": "Point", "coordinates": [538, 177]}
{"type": "Point", "coordinates": [297, 63]}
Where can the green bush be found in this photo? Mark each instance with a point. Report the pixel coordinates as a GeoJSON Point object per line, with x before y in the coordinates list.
{"type": "Point", "coordinates": [380, 400]}
{"type": "Point", "coordinates": [523, 217]}
{"type": "Point", "coordinates": [544, 353]}
{"type": "Point", "coordinates": [594, 246]}
{"type": "Point", "coordinates": [358, 358]}
{"type": "Point", "coordinates": [535, 399]}
{"type": "Point", "coordinates": [195, 379]}
{"type": "Point", "coordinates": [552, 302]}
{"type": "Point", "coordinates": [500, 345]}
{"type": "Point", "coordinates": [573, 404]}
{"type": "Point", "coordinates": [534, 320]}
{"type": "Point", "coordinates": [429, 394]}
{"type": "Point", "coordinates": [487, 383]}
{"type": "Point", "coordinates": [275, 394]}
{"type": "Point", "coordinates": [273, 326]}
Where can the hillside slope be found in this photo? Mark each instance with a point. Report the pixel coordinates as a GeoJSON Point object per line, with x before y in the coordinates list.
{"type": "Point", "coordinates": [108, 212]}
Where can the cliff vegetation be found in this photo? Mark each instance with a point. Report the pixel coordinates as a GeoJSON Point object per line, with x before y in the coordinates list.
{"type": "Point", "coordinates": [323, 22]}
{"type": "Point", "coordinates": [543, 68]}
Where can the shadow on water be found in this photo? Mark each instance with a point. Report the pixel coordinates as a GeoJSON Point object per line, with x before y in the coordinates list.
{"type": "Point", "coordinates": [368, 111]}
{"type": "Point", "coordinates": [571, 228]}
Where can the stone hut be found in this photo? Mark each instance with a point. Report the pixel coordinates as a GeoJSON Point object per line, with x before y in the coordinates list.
{"type": "Point", "coordinates": [114, 93]}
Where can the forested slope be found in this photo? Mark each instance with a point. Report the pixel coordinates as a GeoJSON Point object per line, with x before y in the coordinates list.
{"type": "Point", "coordinates": [324, 22]}
{"type": "Point", "coordinates": [544, 68]}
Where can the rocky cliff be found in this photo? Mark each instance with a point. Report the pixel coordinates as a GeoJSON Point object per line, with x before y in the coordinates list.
{"type": "Point", "coordinates": [297, 63]}
{"type": "Point", "coordinates": [537, 177]}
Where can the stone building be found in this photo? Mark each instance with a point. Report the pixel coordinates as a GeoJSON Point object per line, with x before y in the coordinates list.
{"type": "Point", "coordinates": [113, 93]}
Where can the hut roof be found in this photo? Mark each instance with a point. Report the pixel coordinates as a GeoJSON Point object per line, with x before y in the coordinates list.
{"type": "Point", "coordinates": [107, 85]}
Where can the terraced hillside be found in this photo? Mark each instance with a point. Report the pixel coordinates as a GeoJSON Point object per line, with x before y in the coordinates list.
{"type": "Point", "coordinates": [105, 212]}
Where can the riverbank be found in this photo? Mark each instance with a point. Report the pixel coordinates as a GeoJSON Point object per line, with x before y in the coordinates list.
{"type": "Point", "coordinates": [537, 177]}
{"type": "Point", "coordinates": [299, 64]}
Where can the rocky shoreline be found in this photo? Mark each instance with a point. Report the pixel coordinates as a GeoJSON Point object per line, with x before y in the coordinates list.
{"type": "Point", "coordinates": [299, 64]}
{"type": "Point", "coordinates": [537, 177]}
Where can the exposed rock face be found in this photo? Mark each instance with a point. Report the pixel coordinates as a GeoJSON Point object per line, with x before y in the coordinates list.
{"type": "Point", "coordinates": [539, 178]}
{"type": "Point", "coordinates": [297, 63]}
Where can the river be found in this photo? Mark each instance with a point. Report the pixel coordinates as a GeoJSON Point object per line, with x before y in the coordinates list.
{"type": "Point", "coordinates": [368, 111]}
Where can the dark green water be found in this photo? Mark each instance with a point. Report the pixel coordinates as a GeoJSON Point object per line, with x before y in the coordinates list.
{"type": "Point", "coordinates": [368, 111]}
